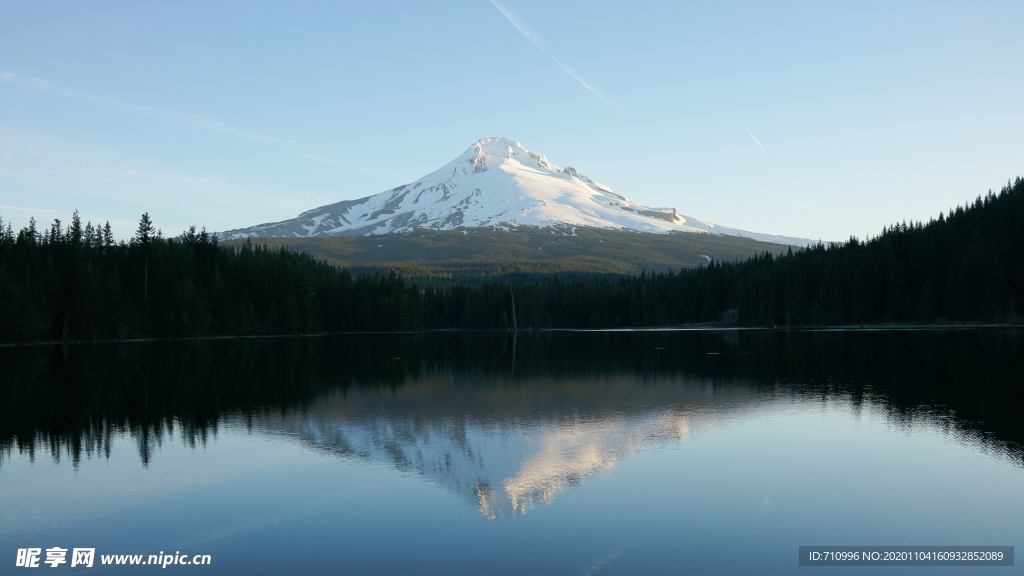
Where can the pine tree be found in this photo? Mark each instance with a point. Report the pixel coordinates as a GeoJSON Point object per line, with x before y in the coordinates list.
{"type": "Point", "coordinates": [144, 233]}
{"type": "Point", "coordinates": [108, 236]}
{"type": "Point", "coordinates": [75, 232]}
{"type": "Point", "coordinates": [143, 238]}
{"type": "Point", "coordinates": [89, 235]}
{"type": "Point", "coordinates": [55, 232]}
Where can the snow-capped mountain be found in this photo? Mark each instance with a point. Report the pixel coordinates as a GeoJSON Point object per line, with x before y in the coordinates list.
{"type": "Point", "coordinates": [496, 183]}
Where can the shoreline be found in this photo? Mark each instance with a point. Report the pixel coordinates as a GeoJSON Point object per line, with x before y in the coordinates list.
{"type": "Point", "coordinates": [683, 328]}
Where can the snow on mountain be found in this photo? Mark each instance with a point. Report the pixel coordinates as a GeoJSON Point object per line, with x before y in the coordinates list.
{"type": "Point", "coordinates": [496, 183]}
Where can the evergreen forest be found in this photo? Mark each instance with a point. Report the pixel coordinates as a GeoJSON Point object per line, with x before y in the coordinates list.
{"type": "Point", "coordinates": [74, 282]}
{"type": "Point", "coordinates": [528, 253]}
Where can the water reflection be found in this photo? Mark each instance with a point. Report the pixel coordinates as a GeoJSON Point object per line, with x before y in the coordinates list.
{"type": "Point", "coordinates": [448, 407]}
{"type": "Point", "coordinates": [518, 445]}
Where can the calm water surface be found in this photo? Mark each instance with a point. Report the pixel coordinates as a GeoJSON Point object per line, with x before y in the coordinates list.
{"type": "Point", "coordinates": [565, 453]}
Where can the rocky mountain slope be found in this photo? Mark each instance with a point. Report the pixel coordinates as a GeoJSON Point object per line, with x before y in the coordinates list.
{"type": "Point", "coordinates": [496, 184]}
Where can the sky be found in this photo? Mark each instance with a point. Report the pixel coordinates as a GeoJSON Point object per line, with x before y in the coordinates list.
{"type": "Point", "coordinates": [812, 119]}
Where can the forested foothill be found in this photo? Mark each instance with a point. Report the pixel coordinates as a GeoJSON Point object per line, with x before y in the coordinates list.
{"type": "Point", "coordinates": [476, 255]}
{"type": "Point", "coordinates": [75, 282]}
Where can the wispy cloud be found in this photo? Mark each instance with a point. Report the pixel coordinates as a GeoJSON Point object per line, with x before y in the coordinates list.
{"type": "Point", "coordinates": [349, 165]}
{"type": "Point", "coordinates": [536, 41]}
{"type": "Point", "coordinates": [183, 119]}
{"type": "Point", "coordinates": [757, 141]}
{"type": "Point", "coordinates": [601, 561]}
{"type": "Point", "coordinates": [94, 171]}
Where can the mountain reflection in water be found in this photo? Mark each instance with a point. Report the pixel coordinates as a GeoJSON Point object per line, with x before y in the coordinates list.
{"type": "Point", "coordinates": [518, 445]}
{"type": "Point", "coordinates": [505, 433]}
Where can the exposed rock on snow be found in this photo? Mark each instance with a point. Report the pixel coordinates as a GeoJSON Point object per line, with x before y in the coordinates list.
{"type": "Point", "coordinates": [496, 183]}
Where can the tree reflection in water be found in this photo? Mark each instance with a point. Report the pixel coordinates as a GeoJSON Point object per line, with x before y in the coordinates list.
{"type": "Point", "coordinates": [450, 408]}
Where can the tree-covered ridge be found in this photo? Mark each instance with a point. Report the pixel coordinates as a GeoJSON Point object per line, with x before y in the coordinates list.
{"type": "Point", "coordinates": [76, 283]}
{"type": "Point", "coordinates": [531, 254]}
{"type": "Point", "coordinates": [967, 266]}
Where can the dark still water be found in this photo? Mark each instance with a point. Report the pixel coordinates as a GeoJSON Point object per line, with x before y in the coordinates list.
{"type": "Point", "coordinates": [564, 453]}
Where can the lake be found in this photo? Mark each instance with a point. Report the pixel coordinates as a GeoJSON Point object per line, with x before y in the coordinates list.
{"type": "Point", "coordinates": [653, 452]}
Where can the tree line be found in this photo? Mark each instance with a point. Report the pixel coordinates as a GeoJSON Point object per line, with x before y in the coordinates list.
{"type": "Point", "coordinates": [75, 282]}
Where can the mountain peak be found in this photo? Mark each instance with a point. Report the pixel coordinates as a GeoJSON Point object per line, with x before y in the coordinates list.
{"type": "Point", "coordinates": [497, 142]}
{"type": "Point", "coordinates": [492, 151]}
{"type": "Point", "coordinates": [495, 183]}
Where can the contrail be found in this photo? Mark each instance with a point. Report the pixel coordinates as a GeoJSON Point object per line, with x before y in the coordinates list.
{"type": "Point", "coordinates": [758, 142]}
{"type": "Point", "coordinates": [535, 40]}
{"type": "Point", "coordinates": [519, 26]}
{"type": "Point", "coordinates": [570, 72]}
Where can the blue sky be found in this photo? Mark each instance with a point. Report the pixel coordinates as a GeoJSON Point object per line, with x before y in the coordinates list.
{"type": "Point", "coordinates": [810, 119]}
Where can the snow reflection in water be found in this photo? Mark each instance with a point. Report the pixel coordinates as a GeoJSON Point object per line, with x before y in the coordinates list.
{"type": "Point", "coordinates": [506, 462]}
